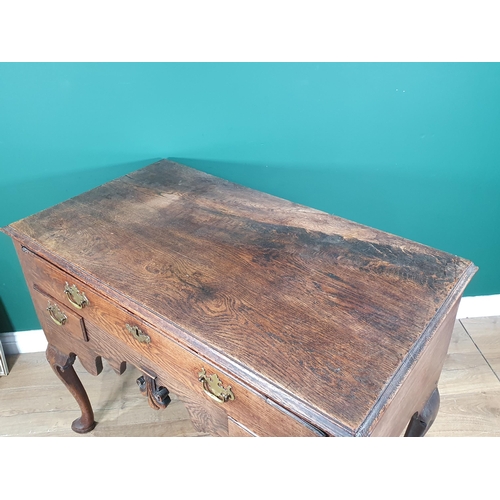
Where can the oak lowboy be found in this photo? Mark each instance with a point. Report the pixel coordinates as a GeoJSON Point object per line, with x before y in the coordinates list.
{"type": "Point", "coordinates": [265, 317]}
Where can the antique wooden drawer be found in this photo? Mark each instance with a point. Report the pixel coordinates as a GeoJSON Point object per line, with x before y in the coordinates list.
{"type": "Point", "coordinates": [75, 303]}
{"type": "Point", "coordinates": [52, 311]}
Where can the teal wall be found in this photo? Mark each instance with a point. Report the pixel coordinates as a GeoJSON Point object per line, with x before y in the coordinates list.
{"type": "Point", "coordinates": [413, 149]}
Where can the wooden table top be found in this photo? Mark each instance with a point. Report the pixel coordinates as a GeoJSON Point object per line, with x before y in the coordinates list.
{"type": "Point", "coordinates": [316, 308]}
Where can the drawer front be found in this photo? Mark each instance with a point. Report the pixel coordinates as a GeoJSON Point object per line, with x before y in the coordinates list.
{"type": "Point", "coordinates": [158, 353]}
{"type": "Point", "coordinates": [255, 412]}
{"type": "Point", "coordinates": [56, 317]}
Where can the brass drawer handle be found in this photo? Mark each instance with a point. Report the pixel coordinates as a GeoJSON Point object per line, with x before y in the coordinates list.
{"type": "Point", "coordinates": [137, 334]}
{"type": "Point", "coordinates": [76, 297]}
{"type": "Point", "coordinates": [58, 317]}
{"type": "Point", "coordinates": [212, 385]}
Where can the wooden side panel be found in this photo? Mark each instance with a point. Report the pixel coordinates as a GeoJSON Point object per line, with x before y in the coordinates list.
{"type": "Point", "coordinates": [419, 382]}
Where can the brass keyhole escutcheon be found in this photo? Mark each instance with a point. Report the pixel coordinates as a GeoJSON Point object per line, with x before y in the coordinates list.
{"type": "Point", "coordinates": [212, 386]}
{"type": "Point", "coordinates": [136, 332]}
{"type": "Point", "coordinates": [75, 297]}
{"type": "Point", "coordinates": [57, 316]}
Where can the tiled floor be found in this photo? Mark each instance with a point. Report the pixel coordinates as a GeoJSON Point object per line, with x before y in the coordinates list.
{"type": "Point", "coordinates": [33, 402]}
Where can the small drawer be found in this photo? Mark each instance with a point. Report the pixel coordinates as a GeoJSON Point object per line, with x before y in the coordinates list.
{"type": "Point", "coordinates": [51, 281]}
{"type": "Point", "coordinates": [58, 316]}
{"type": "Point", "coordinates": [77, 297]}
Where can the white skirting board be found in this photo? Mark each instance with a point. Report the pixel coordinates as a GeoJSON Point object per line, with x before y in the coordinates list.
{"type": "Point", "coordinates": [479, 307]}
{"type": "Point", "coordinates": [22, 342]}
{"type": "Point", "coordinates": [34, 340]}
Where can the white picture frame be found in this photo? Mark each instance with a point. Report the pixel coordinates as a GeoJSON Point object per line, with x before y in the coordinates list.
{"type": "Point", "coordinates": [4, 369]}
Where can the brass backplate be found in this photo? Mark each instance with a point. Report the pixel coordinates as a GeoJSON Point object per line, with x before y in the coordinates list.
{"type": "Point", "coordinates": [212, 385]}
{"type": "Point", "coordinates": [77, 298]}
{"type": "Point", "coordinates": [56, 314]}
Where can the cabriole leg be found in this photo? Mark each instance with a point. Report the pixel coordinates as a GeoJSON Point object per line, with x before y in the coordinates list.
{"type": "Point", "coordinates": [62, 365]}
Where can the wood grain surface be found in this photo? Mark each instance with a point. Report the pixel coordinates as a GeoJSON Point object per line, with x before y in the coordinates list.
{"type": "Point", "coordinates": [308, 306]}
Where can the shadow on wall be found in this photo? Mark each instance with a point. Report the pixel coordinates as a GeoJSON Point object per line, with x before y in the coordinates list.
{"type": "Point", "coordinates": [29, 197]}
{"type": "Point", "coordinates": [23, 199]}
{"type": "Point", "coordinates": [5, 323]}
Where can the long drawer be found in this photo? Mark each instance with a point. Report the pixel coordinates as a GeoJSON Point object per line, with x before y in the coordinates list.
{"type": "Point", "coordinates": [81, 304]}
